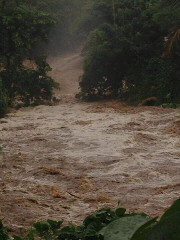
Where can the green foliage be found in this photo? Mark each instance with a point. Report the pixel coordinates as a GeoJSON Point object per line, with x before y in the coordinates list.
{"type": "Point", "coordinates": [108, 224]}
{"type": "Point", "coordinates": [158, 78]}
{"type": "Point", "coordinates": [98, 77]}
{"type": "Point", "coordinates": [169, 105]}
{"type": "Point", "coordinates": [21, 28]}
{"type": "Point", "coordinates": [175, 208]}
{"type": "Point", "coordinates": [124, 55]}
{"type": "Point", "coordinates": [166, 229]}
{"type": "Point", "coordinates": [124, 228]}
{"type": "Point", "coordinates": [3, 232]}
{"type": "Point", "coordinates": [42, 230]}
{"type": "Point", "coordinates": [169, 225]}
{"type": "Point", "coordinates": [47, 230]}
{"type": "Point", "coordinates": [22, 79]}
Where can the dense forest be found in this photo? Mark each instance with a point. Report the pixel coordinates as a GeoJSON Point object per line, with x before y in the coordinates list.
{"type": "Point", "coordinates": [131, 48]}
{"type": "Point", "coordinates": [134, 52]}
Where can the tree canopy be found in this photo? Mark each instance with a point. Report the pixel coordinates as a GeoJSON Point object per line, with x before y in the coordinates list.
{"type": "Point", "coordinates": [22, 28]}
{"type": "Point", "coordinates": [134, 51]}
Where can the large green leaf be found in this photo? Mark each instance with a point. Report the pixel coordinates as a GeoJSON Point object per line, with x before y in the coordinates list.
{"type": "Point", "coordinates": [173, 209]}
{"type": "Point", "coordinates": [125, 227]}
{"type": "Point", "coordinates": [102, 217]}
{"type": "Point", "coordinates": [142, 232]}
{"type": "Point", "coordinates": [167, 229]}
{"type": "Point", "coordinates": [69, 232]}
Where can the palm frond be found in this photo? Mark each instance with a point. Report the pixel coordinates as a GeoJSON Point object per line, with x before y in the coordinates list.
{"type": "Point", "coordinates": [172, 41]}
{"type": "Point", "coordinates": [172, 3]}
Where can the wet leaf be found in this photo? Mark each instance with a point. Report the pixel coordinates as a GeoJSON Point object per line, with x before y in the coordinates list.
{"type": "Point", "coordinates": [54, 225]}
{"type": "Point", "coordinates": [173, 209]}
{"type": "Point", "coordinates": [120, 212]}
{"type": "Point", "coordinates": [124, 228]}
{"type": "Point", "coordinates": [166, 229]}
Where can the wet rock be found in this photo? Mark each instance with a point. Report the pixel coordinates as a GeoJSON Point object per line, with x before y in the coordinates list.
{"type": "Point", "coordinates": [151, 101]}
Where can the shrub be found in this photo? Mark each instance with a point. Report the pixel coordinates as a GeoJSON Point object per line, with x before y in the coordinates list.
{"type": "Point", "coordinates": [126, 56]}
{"type": "Point", "coordinates": [29, 85]}
{"type": "Point", "coordinates": [103, 73]}
{"type": "Point", "coordinates": [109, 224]}
{"type": "Point", "coordinates": [23, 27]}
{"type": "Point", "coordinates": [155, 77]}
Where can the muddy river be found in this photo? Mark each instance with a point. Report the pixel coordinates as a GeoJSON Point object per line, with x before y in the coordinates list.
{"type": "Point", "coordinates": [66, 161]}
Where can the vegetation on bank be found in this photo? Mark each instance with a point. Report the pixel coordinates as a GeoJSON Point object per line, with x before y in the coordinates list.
{"type": "Point", "coordinates": [21, 28]}
{"type": "Point", "coordinates": [29, 29]}
{"type": "Point", "coordinates": [134, 51]}
{"type": "Point", "coordinates": [108, 224]}
{"type": "Point", "coordinates": [131, 48]}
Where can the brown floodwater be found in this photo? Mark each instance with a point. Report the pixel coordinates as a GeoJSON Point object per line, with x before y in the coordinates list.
{"type": "Point", "coordinates": [66, 161]}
